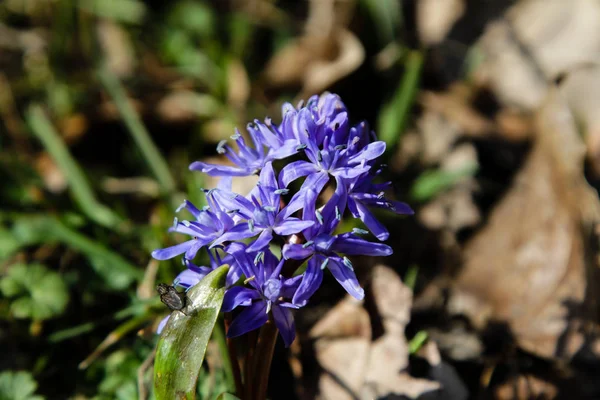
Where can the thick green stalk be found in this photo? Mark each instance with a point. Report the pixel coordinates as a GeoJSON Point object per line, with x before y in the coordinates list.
{"type": "Point", "coordinates": [263, 357]}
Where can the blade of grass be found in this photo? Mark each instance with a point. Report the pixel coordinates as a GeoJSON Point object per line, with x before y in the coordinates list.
{"type": "Point", "coordinates": [387, 17]}
{"type": "Point", "coordinates": [394, 115]}
{"type": "Point", "coordinates": [78, 185]}
{"type": "Point", "coordinates": [114, 337]}
{"type": "Point", "coordinates": [43, 229]}
{"type": "Point", "coordinates": [136, 309]}
{"type": "Point", "coordinates": [417, 342]}
{"type": "Point", "coordinates": [220, 338]}
{"type": "Point", "coordinates": [154, 159]}
{"type": "Point", "coordinates": [432, 182]}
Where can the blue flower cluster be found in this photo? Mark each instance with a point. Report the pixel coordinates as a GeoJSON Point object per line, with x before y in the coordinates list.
{"type": "Point", "coordinates": [338, 163]}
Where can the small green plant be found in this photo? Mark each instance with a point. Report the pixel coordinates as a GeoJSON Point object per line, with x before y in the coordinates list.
{"type": "Point", "coordinates": [39, 292]}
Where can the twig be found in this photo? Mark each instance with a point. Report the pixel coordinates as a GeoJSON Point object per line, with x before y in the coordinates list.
{"type": "Point", "coordinates": [142, 390]}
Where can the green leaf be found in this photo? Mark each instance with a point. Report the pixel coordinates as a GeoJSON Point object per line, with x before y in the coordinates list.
{"type": "Point", "coordinates": [227, 396]}
{"type": "Point", "coordinates": [117, 272]}
{"type": "Point", "coordinates": [181, 347]}
{"type": "Point", "coordinates": [417, 342]}
{"type": "Point", "coordinates": [8, 244]}
{"type": "Point", "coordinates": [79, 186]}
{"type": "Point", "coordinates": [430, 183]}
{"type": "Point", "coordinates": [394, 115]}
{"type": "Point", "coordinates": [18, 385]}
{"type": "Point", "coordinates": [126, 11]}
{"type": "Point", "coordinates": [41, 293]}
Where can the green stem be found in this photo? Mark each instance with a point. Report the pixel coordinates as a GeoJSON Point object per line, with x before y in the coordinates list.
{"type": "Point", "coordinates": [140, 135]}
{"type": "Point", "coordinates": [232, 370]}
{"type": "Point", "coordinates": [265, 348]}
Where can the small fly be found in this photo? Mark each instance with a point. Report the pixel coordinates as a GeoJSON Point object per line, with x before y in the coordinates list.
{"type": "Point", "coordinates": [171, 297]}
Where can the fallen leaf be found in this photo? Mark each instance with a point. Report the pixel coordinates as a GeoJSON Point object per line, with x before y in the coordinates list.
{"type": "Point", "coordinates": [529, 266]}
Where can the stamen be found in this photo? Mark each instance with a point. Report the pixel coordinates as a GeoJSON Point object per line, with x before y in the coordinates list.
{"type": "Point", "coordinates": [247, 281]}
{"type": "Point", "coordinates": [319, 157]}
{"type": "Point", "coordinates": [301, 147]}
{"type": "Point", "coordinates": [182, 206]}
{"type": "Point", "coordinates": [282, 191]}
{"type": "Point", "coordinates": [186, 223]}
{"type": "Point", "coordinates": [251, 225]}
{"type": "Point", "coordinates": [260, 256]}
{"type": "Point", "coordinates": [307, 244]}
{"type": "Point", "coordinates": [319, 216]}
{"type": "Point", "coordinates": [324, 263]}
{"type": "Point", "coordinates": [221, 147]}
{"type": "Point", "coordinates": [340, 147]}
{"type": "Point", "coordinates": [348, 263]}
{"type": "Point", "coordinates": [269, 208]}
{"type": "Point", "coordinates": [235, 136]}
{"type": "Point", "coordinates": [338, 215]}
{"type": "Point", "coordinates": [359, 231]}
{"type": "Point", "coordinates": [175, 221]}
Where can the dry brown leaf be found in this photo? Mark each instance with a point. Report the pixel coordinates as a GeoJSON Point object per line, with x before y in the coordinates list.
{"type": "Point", "coordinates": [117, 48]}
{"type": "Point", "coordinates": [436, 17]}
{"type": "Point", "coordinates": [353, 365]}
{"type": "Point", "coordinates": [582, 91]}
{"type": "Point", "coordinates": [537, 41]}
{"type": "Point", "coordinates": [54, 179]}
{"type": "Point", "coordinates": [529, 266]}
{"type": "Point", "coordinates": [523, 387]}
{"type": "Point", "coordinates": [325, 54]}
{"type": "Point", "coordinates": [238, 84]}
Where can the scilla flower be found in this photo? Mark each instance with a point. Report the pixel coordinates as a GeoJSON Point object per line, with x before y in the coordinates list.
{"type": "Point", "coordinates": [314, 169]}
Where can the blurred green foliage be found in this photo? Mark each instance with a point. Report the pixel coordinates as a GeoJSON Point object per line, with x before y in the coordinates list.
{"type": "Point", "coordinates": [18, 385]}
{"type": "Point", "coordinates": [35, 291]}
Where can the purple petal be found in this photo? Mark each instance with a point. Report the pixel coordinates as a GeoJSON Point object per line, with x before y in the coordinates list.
{"type": "Point", "coordinates": [220, 170]}
{"type": "Point", "coordinates": [173, 251]}
{"type": "Point", "coordinates": [189, 278]}
{"type": "Point", "coordinates": [295, 170]}
{"type": "Point", "coordinates": [297, 251]}
{"type": "Point", "coordinates": [291, 225]}
{"type": "Point", "coordinates": [251, 318]}
{"type": "Point", "coordinates": [225, 184]}
{"type": "Point", "coordinates": [261, 241]}
{"type": "Point", "coordinates": [192, 209]}
{"type": "Point", "coordinates": [311, 280]}
{"type": "Point", "coordinates": [284, 320]}
{"type": "Point", "coordinates": [233, 201]}
{"type": "Point", "coordinates": [238, 296]}
{"type": "Point", "coordinates": [371, 222]}
{"type": "Point", "coordinates": [267, 176]}
{"type": "Point", "coordinates": [197, 245]}
{"type": "Point", "coordinates": [238, 232]}
{"type": "Point", "coordinates": [347, 278]}
{"type": "Point", "coordinates": [353, 245]}
{"type": "Point", "coordinates": [289, 148]}
{"type": "Point", "coordinates": [351, 172]}
{"type": "Point", "coordinates": [162, 324]}
{"type": "Point", "coordinates": [290, 286]}
{"type": "Point", "coordinates": [368, 153]}
{"type": "Point", "coordinates": [400, 208]}
{"type": "Point", "coordinates": [233, 275]}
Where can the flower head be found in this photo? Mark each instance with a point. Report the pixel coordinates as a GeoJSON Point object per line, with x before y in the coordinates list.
{"type": "Point", "coordinates": [337, 162]}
